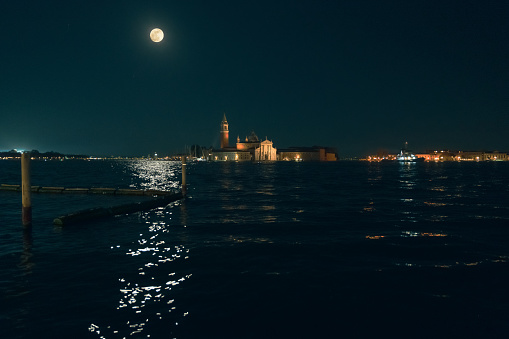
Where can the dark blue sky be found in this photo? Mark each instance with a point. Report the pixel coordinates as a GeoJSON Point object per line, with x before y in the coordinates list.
{"type": "Point", "coordinates": [84, 77]}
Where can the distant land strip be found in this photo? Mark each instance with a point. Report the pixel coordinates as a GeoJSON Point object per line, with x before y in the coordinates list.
{"type": "Point", "coordinates": [35, 154]}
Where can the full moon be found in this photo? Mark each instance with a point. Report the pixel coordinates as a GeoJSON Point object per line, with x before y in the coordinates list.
{"type": "Point", "coordinates": [156, 35]}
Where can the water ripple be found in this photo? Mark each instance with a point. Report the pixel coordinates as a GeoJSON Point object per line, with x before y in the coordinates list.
{"type": "Point", "coordinates": [146, 298]}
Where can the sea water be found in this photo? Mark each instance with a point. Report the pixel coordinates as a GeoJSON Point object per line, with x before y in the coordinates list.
{"type": "Point", "coordinates": [261, 250]}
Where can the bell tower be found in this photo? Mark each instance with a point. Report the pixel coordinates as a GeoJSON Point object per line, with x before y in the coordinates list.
{"type": "Point", "coordinates": [223, 137]}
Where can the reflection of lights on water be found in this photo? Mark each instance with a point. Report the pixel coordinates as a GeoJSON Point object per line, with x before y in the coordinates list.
{"type": "Point", "coordinates": [369, 208]}
{"type": "Point", "coordinates": [160, 175]}
{"type": "Point", "coordinates": [375, 236]}
{"type": "Point", "coordinates": [422, 234]}
{"type": "Point", "coordinates": [147, 296]}
{"type": "Point", "coordinates": [501, 258]}
{"type": "Point", "coordinates": [438, 189]}
{"type": "Point", "coordinates": [410, 234]}
{"type": "Point", "coordinates": [407, 184]}
{"type": "Point", "coordinates": [249, 240]}
{"type": "Point", "coordinates": [443, 266]}
{"type": "Point", "coordinates": [472, 264]}
{"type": "Point", "coordinates": [433, 235]}
{"type": "Point", "coordinates": [434, 204]}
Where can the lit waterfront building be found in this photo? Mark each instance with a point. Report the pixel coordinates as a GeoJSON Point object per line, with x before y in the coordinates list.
{"type": "Point", "coordinates": [439, 156]}
{"type": "Point", "coordinates": [314, 153]}
{"type": "Point", "coordinates": [250, 143]}
{"type": "Point", "coordinates": [495, 156]}
{"type": "Point", "coordinates": [266, 152]}
{"type": "Point", "coordinates": [248, 150]}
{"type": "Point", "coordinates": [252, 149]}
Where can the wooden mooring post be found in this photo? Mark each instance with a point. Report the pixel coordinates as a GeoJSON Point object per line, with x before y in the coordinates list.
{"type": "Point", "coordinates": [184, 189]}
{"type": "Point", "coordinates": [26, 190]}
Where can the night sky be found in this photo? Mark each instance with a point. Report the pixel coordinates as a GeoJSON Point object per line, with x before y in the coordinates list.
{"type": "Point", "coordinates": [84, 76]}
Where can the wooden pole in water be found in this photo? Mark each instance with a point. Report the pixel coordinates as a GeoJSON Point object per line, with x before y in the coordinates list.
{"type": "Point", "coordinates": [184, 189]}
{"type": "Point", "coordinates": [26, 190]}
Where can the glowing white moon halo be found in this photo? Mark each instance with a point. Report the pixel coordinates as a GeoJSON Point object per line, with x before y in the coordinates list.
{"type": "Point", "coordinates": [156, 35]}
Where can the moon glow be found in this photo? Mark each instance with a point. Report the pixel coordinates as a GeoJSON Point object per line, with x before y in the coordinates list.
{"type": "Point", "coordinates": [156, 35]}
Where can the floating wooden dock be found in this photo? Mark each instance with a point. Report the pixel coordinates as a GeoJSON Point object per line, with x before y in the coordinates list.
{"type": "Point", "coordinates": [92, 190]}
{"type": "Point", "coordinates": [102, 212]}
{"type": "Point", "coordinates": [26, 189]}
{"type": "Point", "coordinates": [160, 198]}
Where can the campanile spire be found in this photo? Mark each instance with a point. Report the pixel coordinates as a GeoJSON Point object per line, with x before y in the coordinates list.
{"type": "Point", "coordinates": [223, 136]}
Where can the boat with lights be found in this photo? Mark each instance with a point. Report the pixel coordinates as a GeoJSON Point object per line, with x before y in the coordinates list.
{"type": "Point", "coordinates": [406, 155]}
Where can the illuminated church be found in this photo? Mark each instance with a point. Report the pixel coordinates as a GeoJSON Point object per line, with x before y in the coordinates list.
{"type": "Point", "coordinates": [251, 149]}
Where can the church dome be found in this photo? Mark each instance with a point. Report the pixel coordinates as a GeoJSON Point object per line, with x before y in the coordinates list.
{"type": "Point", "coordinates": [252, 137]}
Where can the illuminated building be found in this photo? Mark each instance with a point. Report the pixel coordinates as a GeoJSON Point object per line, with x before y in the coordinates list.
{"type": "Point", "coordinates": [249, 150]}
{"type": "Point", "coordinates": [495, 156]}
{"type": "Point", "coordinates": [439, 156]}
{"type": "Point", "coordinates": [315, 153]}
{"type": "Point", "coordinates": [425, 156]}
{"type": "Point", "coordinates": [265, 152]}
{"type": "Point", "coordinates": [467, 156]}
{"type": "Point", "coordinates": [252, 149]}
{"type": "Point", "coordinates": [250, 143]}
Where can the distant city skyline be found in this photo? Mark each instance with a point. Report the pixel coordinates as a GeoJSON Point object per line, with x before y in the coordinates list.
{"type": "Point", "coordinates": [359, 76]}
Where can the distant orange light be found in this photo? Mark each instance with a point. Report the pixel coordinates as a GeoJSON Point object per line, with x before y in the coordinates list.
{"type": "Point", "coordinates": [433, 235]}
{"type": "Point", "coordinates": [375, 236]}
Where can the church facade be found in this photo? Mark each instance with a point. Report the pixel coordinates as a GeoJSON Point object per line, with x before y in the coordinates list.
{"type": "Point", "coordinates": [266, 152]}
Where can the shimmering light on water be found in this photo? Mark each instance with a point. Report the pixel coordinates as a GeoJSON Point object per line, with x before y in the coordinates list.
{"type": "Point", "coordinates": [144, 298]}
{"type": "Point", "coordinates": [265, 251]}
{"type": "Point", "coordinates": [157, 175]}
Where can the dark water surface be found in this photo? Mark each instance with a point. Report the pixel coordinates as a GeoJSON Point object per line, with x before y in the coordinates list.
{"type": "Point", "coordinates": [280, 250]}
